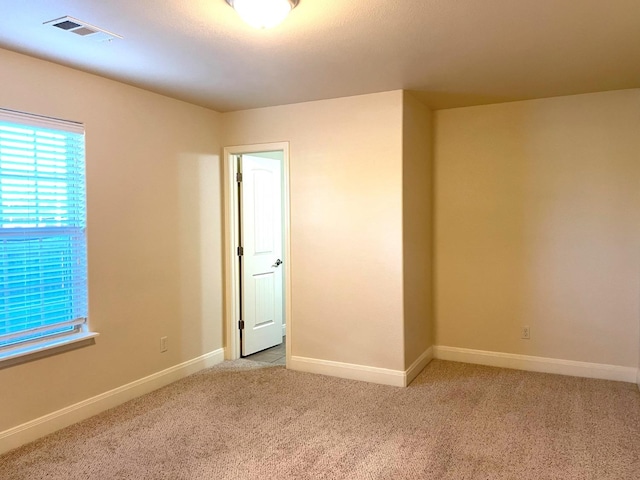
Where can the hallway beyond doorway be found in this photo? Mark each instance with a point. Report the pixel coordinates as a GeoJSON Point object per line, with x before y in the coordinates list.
{"type": "Point", "coordinates": [274, 355]}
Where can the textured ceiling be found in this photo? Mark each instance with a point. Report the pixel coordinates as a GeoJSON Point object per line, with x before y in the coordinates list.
{"type": "Point", "coordinates": [453, 52]}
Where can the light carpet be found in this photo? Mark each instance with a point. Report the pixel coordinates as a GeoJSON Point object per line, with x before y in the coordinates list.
{"type": "Point", "coordinates": [248, 420]}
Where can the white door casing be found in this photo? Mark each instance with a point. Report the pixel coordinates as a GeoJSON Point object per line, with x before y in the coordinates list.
{"type": "Point", "coordinates": [261, 260]}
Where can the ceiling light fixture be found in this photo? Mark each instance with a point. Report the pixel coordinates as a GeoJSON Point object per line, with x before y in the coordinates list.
{"type": "Point", "coordinates": [263, 13]}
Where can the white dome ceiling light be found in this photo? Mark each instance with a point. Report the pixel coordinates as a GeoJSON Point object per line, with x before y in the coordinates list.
{"type": "Point", "coordinates": [263, 13]}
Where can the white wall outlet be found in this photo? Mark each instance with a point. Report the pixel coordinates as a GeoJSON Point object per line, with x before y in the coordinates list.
{"type": "Point", "coordinates": [526, 333]}
{"type": "Point", "coordinates": [163, 344]}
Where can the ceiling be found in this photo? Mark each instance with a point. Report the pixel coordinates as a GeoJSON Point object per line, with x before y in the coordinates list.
{"type": "Point", "coordinates": [452, 52]}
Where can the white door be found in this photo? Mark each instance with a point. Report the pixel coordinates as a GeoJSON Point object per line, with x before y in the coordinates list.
{"type": "Point", "coordinates": [261, 241]}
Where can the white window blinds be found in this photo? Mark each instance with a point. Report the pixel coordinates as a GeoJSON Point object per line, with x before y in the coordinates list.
{"type": "Point", "coordinates": [43, 260]}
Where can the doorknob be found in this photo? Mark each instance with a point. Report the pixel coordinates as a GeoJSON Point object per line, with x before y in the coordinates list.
{"type": "Point", "coordinates": [277, 264]}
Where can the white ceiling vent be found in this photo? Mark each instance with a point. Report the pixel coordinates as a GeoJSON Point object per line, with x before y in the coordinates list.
{"type": "Point", "coordinates": [83, 29]}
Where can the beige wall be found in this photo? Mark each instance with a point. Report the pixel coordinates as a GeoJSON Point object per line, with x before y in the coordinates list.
{"type": "Point", "coordinates": [537, 223]}
{"type": "Point", "coordinates": [154, 234]}
{"type": "Point", "coordinates": [417, 227]}
{"type": "Point", "coordinates": [346, 222]}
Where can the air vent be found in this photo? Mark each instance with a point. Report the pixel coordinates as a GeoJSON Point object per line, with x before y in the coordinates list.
{"type": "Point", "coordinates": [83, 29]}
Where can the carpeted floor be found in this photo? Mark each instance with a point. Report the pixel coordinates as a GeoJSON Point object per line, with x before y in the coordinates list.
{"type": "Point", "coordinates": [247, 420]}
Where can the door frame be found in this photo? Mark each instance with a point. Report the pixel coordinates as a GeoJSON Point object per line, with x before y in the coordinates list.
{"type": "Point", "coordinates": [231, 242]}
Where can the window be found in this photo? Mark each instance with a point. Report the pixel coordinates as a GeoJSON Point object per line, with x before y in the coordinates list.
{"type": "Point", "coordinates": [43, 258]}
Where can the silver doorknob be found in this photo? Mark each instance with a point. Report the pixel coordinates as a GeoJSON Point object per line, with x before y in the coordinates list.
{"type": "Point", "coordinates": [277, 264]}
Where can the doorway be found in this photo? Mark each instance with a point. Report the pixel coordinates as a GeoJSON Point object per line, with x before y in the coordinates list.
{"type": "Point", "coordinates": [258, 287]}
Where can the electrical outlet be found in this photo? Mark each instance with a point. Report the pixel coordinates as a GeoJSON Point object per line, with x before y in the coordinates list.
{"type": "Point", "coordinates": [526, 333]}
{"type": "Point", "coordinates": [163, 344]}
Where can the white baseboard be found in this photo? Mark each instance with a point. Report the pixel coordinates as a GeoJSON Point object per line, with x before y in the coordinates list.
{"type": "Point", "coordinates": [417, 366]}
{"type": "Point", "coordinates": [384, 376]}
{"type": "Point", "coordinates": [27, 432]}
{"type": "Point", "coordinates": [537, 364]}
{"type": "Point", "coordinates": [365, 373]}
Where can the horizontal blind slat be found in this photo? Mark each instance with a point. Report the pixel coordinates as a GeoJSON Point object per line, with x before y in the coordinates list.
{"type": "Point", "coordinates": [35, 330]}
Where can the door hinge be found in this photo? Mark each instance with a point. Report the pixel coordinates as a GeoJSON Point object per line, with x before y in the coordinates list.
{"type": "Point", "coordinates": [238, 177]}
{"type": "Point", "coordinates": [240, 251]}
{"type": "Point", "coordinates": [241, 324]}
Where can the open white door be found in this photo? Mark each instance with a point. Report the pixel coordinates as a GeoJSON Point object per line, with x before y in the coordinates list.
{"type": "Point", "coordinates": [261, 259]}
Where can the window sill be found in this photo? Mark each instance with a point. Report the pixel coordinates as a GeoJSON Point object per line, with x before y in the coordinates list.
{"type": "Point", "coordinates": [55, 346]}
